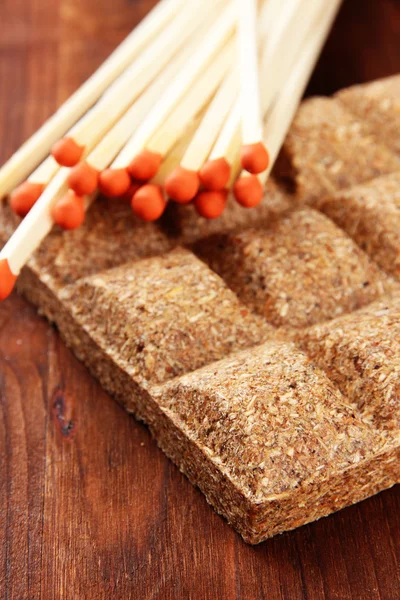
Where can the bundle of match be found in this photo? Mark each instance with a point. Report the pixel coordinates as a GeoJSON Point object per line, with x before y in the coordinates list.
{"type": "Point", "coordinates": [193, 105]}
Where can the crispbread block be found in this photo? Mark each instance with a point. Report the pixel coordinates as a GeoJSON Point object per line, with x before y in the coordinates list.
{"type": "Point", "coordinates": [370, 214]}
{"type": "Point", "coordinates": [328, 149]}
{"type": "Point", "coordinates": [164, 316]}
{"type": "Point", "coordinates": [377, 105]}
{"type": "Point", "coordinates": [271, 440]}
{"type": "Point", "coordinates": [361, 354]}
{"type": "Point", "coordinates": [299, 270]}
{"type": "Point", "coordinates": [280, 433]}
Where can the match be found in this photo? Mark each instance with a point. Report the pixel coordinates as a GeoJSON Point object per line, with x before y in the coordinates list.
{"type": "Point", "coordinates": [94, 172]}
{"type": "Point", "coordinates": [254, 155]}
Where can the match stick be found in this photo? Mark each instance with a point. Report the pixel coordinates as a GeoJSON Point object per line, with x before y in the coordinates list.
{"type": "Point", "coordinates": [281, 47]}
{"type": "Point", "coordinates": [18, 167]}
{"type": "Point", "coordinates": [269, 15]}
{"type": "Point", "coordinates": [84, 178]}
{"type": "Point", "coordinates": [31, 231]}
{"type": "Point", "coordinates": [143, 163]}
{"type": "Point", "coordinates": [254, 155]}
{"type": "Point", "coordinates": [279, 53]}
{"type": "Point", "coordinates": [216, 171]}
{"type": "Point", "coordinates": [248, 189]}
{"type": "Point", "coordinates": [183, 183]}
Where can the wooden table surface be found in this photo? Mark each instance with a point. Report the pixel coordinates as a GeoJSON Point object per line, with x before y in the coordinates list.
{"type": "Point", "coordinates": [89, 507]}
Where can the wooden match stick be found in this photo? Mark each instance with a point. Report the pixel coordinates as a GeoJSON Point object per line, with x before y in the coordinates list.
{"type": "Point", "coordinates": [146, 161]}
{"type": "Point", "coordinates": [183, 182]}
{"type": "Point", "coordinates": [254, 154]}
{"type": "Point", "coordinates": [18, 167]}
{"type": "Point", "coordinates": [31, 231]}
{"type": "Point", "coordinates": [269, 15]}
{"type": "Point", "coordinates": [215, 172]}
{"type": "Point", "coordinates": [84, 178]}
{"type": "Point", "coordinates": [281, 47]}
{"type": "Point", "coordinates": [248, 189]}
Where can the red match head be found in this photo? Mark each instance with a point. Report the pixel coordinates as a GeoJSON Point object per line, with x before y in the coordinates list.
{"type": "Point", "coordinates": [24, 197]}
{"type": "Point", "coordinates": [145, 165]}
{"type": "Point", "coordinates": [67, 152]}
{"type": "Point", "coordinates": [215, 174]}
{"type": "Point", "coordinates": [148, 203]}
{"type": "Point", "coordinates": [182, 185]}
{"type": "Point", "coordinates": [114, 183]}
{"type": "Point", "coordinates": [211, 205]}
{"type": "Point", "coordinates": [83, 179]}
{"type": "Point", "coordinates": [254, 158]}
{"type": "Point", "coordinates": [7, 279]}
{"type": "Point", "coordinates": [248, 191]}
{"type": "Point", "coordinates": [69, 211]}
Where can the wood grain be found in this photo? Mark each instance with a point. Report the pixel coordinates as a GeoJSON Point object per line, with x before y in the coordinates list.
{"type": "Point", "coordinates": [89, 507]}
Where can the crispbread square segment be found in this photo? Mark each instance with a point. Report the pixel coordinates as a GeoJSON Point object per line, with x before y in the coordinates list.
{"type": "Point", "coordinates": [299, 270]}
{"type": "Point", "coordinates": [370, 214]}
{"type": "Point", "coordinates": [328, 149]}
{"type": "Point", "coordinates": [163, 316]}
{"type": "Point", "coordinates": [278, 431]}
{"type": "Point", "coordinates": [377, 105]}
{"type": "Point", "coordinates": [361, 355]}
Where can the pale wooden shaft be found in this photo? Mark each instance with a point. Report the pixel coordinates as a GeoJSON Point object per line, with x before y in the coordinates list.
{"type": "Point", "coordinates": [251, 114]}
{"type": "Point", "coordinates": [228, 132]}
{"type": "Point", "coordinates": [174, 158]}
{"type": "Point", "coordinates": [231, 129]}
{"type": "Point", "coordinates": [192, 103]}
{"type": "Point", "coordinates": [217, 37]}
{"type": "Point", "coordinates": [280, 51]}
{"type": "Point", "coordinates": [269, 14]}
{"type": "Point", "coordinates": [205, 136]}
{"type": "Point", "coordinates": [289, 99]}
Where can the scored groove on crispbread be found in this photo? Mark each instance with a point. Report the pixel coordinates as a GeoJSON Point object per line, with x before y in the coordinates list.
{"type": "Point", "coordinates": [361, 354]}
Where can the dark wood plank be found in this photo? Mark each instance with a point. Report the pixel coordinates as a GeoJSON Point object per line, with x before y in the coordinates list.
{"type": "Point", "coordinates": [89, 507]}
